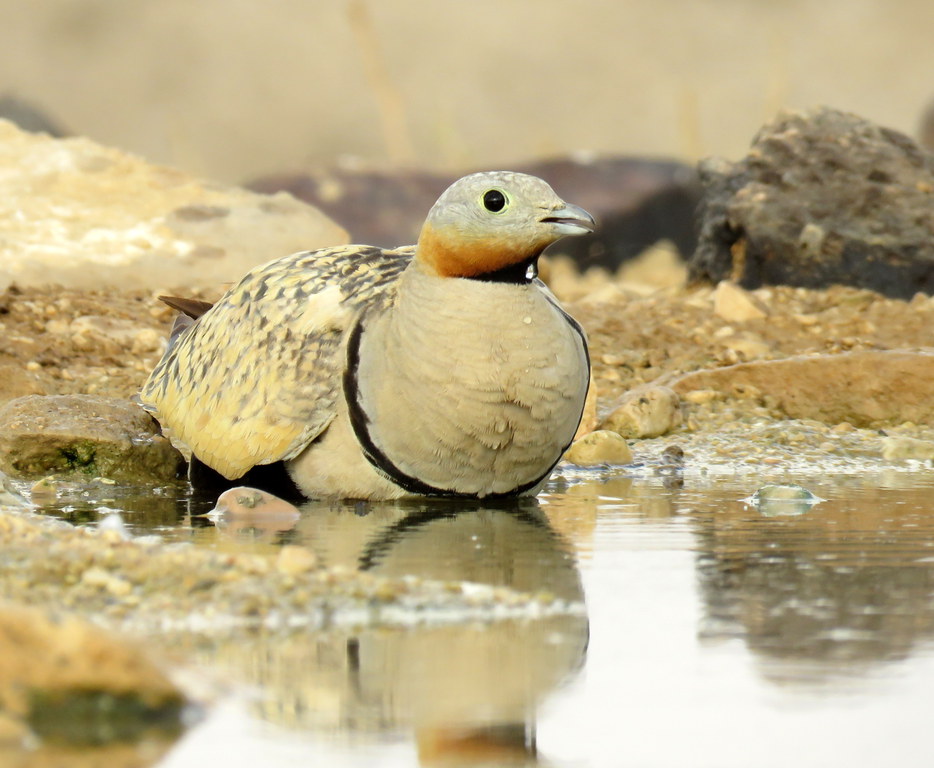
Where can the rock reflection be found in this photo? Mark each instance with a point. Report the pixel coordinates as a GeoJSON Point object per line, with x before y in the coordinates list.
{"type": "Point", "coordinates": [834, 591]}
{"type": "Point", "coordinates": [459, 688]}
{"type": "Point", "coordinates": [144, 508]}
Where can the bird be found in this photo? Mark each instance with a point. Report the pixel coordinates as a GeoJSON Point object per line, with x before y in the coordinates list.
{"type": "Point", "coordinates": [444, 368]}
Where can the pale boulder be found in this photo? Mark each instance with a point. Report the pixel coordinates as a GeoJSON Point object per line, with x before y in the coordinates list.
{"type": "Point", "coordinates": [79, 214]}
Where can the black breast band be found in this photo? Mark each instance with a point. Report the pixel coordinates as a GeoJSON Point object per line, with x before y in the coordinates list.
{"type": "Point", "coordinates": [359, 421]}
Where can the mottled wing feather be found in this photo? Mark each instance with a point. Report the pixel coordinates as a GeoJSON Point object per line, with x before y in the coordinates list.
{"type": "Point", "coordinates": [258, 376]}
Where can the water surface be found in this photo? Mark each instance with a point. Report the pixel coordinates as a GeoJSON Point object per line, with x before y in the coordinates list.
{"type": "Point", "coordinates": [708, 632]}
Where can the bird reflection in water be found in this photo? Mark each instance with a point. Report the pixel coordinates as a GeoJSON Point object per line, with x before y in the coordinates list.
{"type": "Point", "coordinates": [464, 690]}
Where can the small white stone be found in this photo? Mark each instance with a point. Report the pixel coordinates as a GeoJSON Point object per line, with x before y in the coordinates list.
{"type": "Point", "coordinates": [99, 577]}
{"type": "Point", "coordinates": [113, 522]}
{"type": "Point", "coordinates": [43, 491]}
{"type": "Point", "coordinates": [736, 305]}
{"type": "Point", "coordinates": [702, 396]}
{"type": "Point", "coordinates": [811, 239]}
{"type": "Point", "coordinates": [748, 347]}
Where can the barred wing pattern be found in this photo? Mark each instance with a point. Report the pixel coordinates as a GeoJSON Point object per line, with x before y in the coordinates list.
{"type": "Point", "coordinates": [258, 377]}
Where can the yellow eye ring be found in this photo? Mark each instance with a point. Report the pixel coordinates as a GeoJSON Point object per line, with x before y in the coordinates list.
{"type": "Point", "coordinates": [495, 200]}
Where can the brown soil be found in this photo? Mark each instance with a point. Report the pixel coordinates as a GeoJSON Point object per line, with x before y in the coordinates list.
{"type": "Point", "coordinates": [634, 337]}
{"type": "Point", "coordinates": [39, 335]}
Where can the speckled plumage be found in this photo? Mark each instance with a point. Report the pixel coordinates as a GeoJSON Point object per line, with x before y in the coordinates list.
{"type": "Point", "coordinates": [436, 368]}
{"type": "Point", "coordinates": [278, 353]}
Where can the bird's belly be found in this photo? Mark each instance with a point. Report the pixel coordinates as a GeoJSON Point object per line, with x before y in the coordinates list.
{"type": "Point", "coordinates": [496, 429]}
{"type": "Point", "coordinates": [334, 466]}
{"type": "Point", "coordinates": [487, 448]}
{"type": "Point", "coordinates": [477, 448]}
{"type": "Point", "coordinates": [477, 397]}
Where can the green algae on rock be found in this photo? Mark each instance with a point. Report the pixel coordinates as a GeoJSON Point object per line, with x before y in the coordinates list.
{"type": "Point", "coordinates": [84, 436]}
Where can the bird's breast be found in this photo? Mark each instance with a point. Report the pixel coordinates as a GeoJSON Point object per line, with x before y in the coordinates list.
{"type": "Point", "coordinates": [468, 387]}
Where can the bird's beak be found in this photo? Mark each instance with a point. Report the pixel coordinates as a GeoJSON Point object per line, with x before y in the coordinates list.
{"type": "Point", "coordinates": [570, 220]}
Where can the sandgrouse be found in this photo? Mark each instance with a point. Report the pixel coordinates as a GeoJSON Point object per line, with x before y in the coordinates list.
{"type": "Point", "coordinates": [445, 368]}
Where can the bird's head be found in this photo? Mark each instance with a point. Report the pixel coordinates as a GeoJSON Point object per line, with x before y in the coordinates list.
{"type": "Point", "coordinates": [494, 225]}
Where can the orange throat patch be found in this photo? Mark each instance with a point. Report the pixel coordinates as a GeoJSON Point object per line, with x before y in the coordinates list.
{"type": "Point", "coordinates": [450, 255]}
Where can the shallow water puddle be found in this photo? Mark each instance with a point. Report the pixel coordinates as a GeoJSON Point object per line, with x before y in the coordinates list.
{"type": "Point", "coordinates": [713, 633]}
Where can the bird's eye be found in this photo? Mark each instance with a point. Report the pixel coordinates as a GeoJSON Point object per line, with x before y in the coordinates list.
{"type": "Point", "coordinates": [495, 201]}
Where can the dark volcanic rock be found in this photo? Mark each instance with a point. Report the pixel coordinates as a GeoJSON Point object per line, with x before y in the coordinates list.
{"type": "Point", "coordinates": [824, 197]}
{"type": "Point", "coordinates": [376, 208]}
{"type": "Point", "coordinates": [636, 202]}
{"type": "Point", "coordinates": [84, 436]}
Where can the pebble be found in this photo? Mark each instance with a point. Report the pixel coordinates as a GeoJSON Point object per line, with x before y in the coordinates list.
{"type": "Point", "coordinates": [112, 523]}
{"type": "Point", "coordinates": [43, 491]}
{"type": "Point", "coordinates": [736, 305]}
{"type": "Point", "coordinates": [599, 448]}
{"type": "Point", "coordinates": [900, 448]}
{"type": "Point", "coordinates": [673, 455]}
{"type": "Point", "coordinates": [702, 396]}
{"type": "Point", "coordinates": [648, 411]}
{"type": "Point", "coordinates": [77, 436]}
{"type": "Point", "coordinates": [749, 347]}
{"type": "Point", "coordinates": [782, 500]}
{"type": "Point", "coordinates": [148, 340]}
{"type": "Point", "coordinates": [99, 577]}
{"type": "Point", "coordinates": [244, 502]}
{"type": "Point", "coordinates": [294, 559]}
{"type": "Point", "coordinates": [66, 677]}
{"type": "Point", "coordinates": [806, 320]}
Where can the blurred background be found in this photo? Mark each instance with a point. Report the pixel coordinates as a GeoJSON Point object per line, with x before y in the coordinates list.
{"type": "Point", "coordinates": [234, 89]}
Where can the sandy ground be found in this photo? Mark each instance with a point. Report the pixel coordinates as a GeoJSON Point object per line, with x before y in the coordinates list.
{"type": "Point", "coordinates": [643, 324]}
